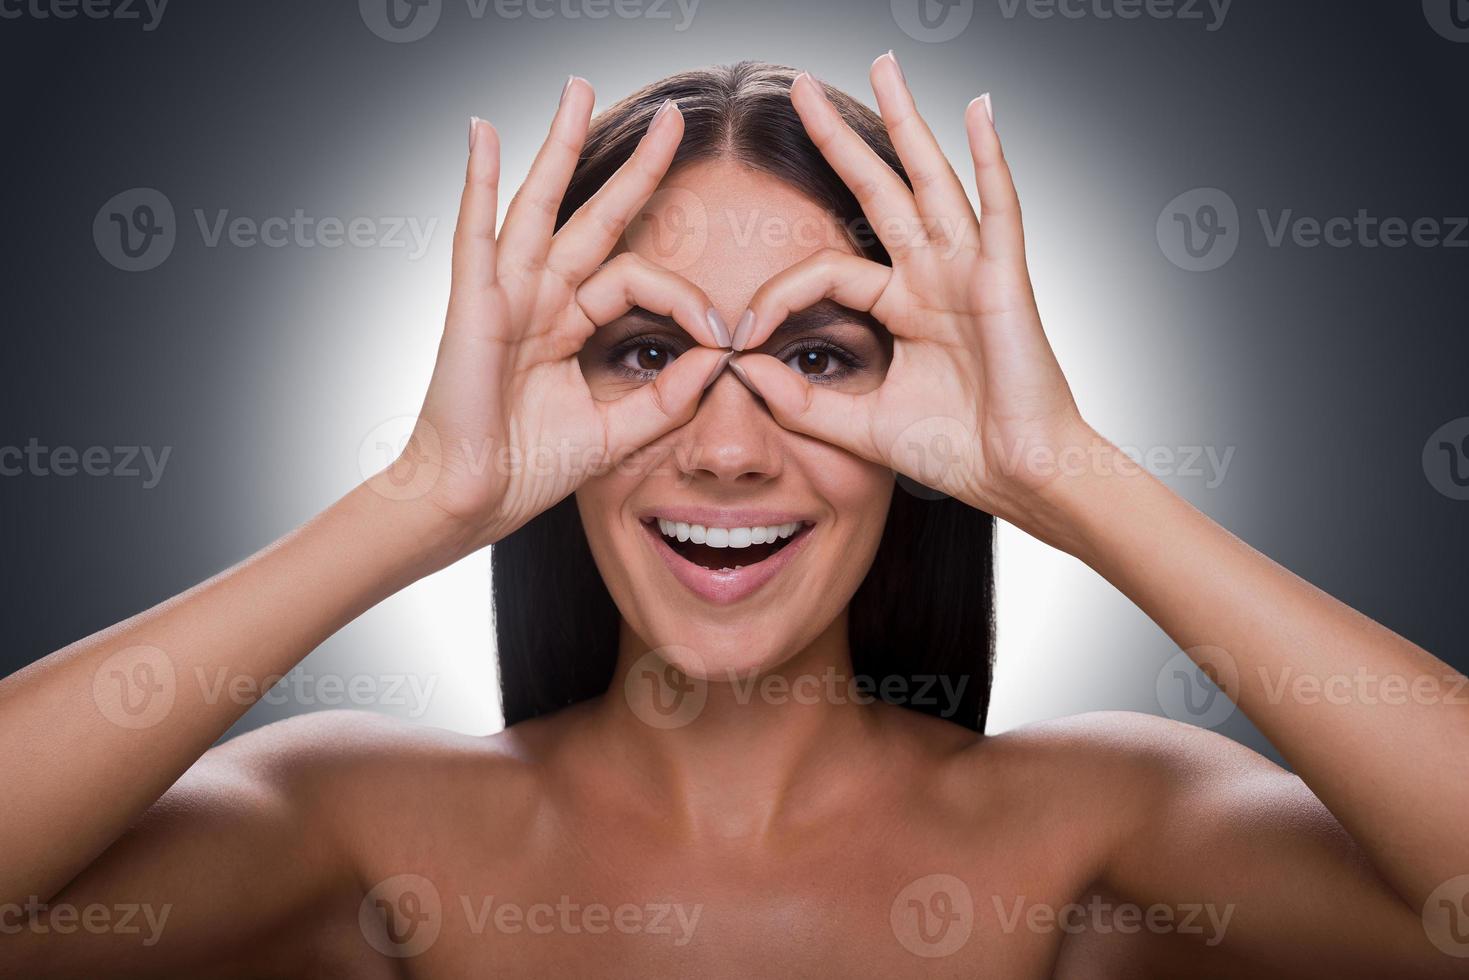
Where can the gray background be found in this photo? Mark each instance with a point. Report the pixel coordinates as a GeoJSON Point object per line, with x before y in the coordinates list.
{"type": "Point", "coordinates": [269, 372]}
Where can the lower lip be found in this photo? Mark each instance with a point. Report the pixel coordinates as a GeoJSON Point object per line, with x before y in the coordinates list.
{"type": "Point", "coordinates": [725, 588]}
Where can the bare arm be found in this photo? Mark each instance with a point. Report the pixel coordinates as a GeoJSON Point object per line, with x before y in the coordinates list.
{"type": "Point", "coordinates": [975, 405]}
{"type": "Point", "coordinates": [97, 732]}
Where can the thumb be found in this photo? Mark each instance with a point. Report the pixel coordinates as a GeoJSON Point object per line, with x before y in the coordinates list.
{"type": "Point", "coordinates": [641, 416]}
{"type": "Point", "coordinates": [837, 417]}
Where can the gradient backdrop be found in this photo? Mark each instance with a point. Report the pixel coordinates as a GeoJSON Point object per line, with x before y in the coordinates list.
{"type": "Point", "coordinates": [1320, 378]}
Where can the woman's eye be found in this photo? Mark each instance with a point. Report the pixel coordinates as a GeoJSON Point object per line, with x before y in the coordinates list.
{"type": "Point", "coordinates": [647, 357]}
{"type": "Point", "coordinates": [818, 363]}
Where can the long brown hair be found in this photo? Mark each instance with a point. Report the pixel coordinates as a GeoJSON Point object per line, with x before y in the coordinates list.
{"type": "Point", "coordinates": [921, 624]}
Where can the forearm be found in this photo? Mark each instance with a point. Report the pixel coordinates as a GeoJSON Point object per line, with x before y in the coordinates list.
{"type": "Point", "coordinates": [1376, 727]}
{"type": "Point", "coordinates": [123, 726]}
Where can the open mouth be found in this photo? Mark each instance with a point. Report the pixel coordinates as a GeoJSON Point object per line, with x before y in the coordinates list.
{"type": "Point", "coordinates": [726, 548]}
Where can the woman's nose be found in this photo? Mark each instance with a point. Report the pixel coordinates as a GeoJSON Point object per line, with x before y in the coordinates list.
{"type": "Point", "coordinates": [732, 438]}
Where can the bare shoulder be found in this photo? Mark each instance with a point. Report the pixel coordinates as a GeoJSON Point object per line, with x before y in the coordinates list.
{"type": "Point", "coordinates": [1121, 772]}
{"type": "Point", "coordinates": [1141, 751]}
{"type": "Point", "coordinates": [358, 773]}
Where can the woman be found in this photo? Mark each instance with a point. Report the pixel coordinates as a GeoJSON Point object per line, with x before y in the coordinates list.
{"type": "Point", "coordinates": [685, 451]}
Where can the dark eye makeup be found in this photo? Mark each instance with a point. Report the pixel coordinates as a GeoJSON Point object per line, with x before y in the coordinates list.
{"type": "Point", "coordinates": [640, 357]}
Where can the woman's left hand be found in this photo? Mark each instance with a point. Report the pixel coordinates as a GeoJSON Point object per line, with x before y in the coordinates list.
{"type": "Point", "coordinates": [973, 403]}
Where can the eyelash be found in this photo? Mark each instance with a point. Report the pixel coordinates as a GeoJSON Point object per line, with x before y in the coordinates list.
{"type": "Point", "coordinates": [848, 361]}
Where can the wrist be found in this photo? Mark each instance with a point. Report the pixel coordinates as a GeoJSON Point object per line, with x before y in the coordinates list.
{"type": "Point", "coordinates": [413, 532]}
{"type": "Point", "coordinates": [1076, 488]}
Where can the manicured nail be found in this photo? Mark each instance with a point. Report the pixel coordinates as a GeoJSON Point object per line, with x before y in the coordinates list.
{"type": "Point", "coordinates": [718, 368]}
{"type": "Point", "coordinates": [662, 111]}
{"type": "Point", "coordinates": [742, 329]}
{"type": "Point", "coordinates": [810, 78]}
{"type": "Point", "coordinates": [473, 129]}
{"type": "Point", "coordinates": [894, 59]}
{"type": "Point", "coordinates": [566, 88]}
{"type": "Point", "coordinates": [739, 372]}
{"type": "Point", "coordinates": [716, 324]}
{"type": "Point", "coordinates": [989, 107]}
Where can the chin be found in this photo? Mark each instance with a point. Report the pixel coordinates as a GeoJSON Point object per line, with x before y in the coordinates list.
{"type": "Point", "coordinates": [729, 654]}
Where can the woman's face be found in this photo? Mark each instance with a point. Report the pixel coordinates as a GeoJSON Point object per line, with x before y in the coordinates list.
{"type": "Point", "coordinates": [732, 474]}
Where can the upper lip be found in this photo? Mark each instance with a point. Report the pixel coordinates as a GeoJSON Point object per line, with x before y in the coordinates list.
{"type": "Point", "coordinates": [724, 516]}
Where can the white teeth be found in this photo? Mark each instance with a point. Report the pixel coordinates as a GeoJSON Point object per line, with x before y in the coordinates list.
{"type": "Point", "coordinates": [727, 537]}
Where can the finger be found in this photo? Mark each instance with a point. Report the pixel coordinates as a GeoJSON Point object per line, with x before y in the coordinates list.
{"type": "Point", "coordinates": [531, 217]}
{"type": "Point", "coordinates": [1001, 235]}
{"type": "Point", "coordinates": [642, 415]}
{"type": "Point", "coordinates": [942, 203]}
{"type": "Point", "coordinates": [474, 234]}
{"type": "Point", "coordinates": [837, 417]}
{"type": "Point", "coordinates": [885, 199]}
{"type": "Point", "coordinates": [589, 234]}
{"type": "Point", "coordinates": [848, 279]}
{"type": "Point", "coordinates": [630, 280]}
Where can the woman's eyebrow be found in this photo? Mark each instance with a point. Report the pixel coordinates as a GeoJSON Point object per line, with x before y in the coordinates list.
{"type": "Point", "coordinates": [826, 313]}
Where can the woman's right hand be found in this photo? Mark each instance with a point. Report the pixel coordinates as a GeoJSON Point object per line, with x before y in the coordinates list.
{"type": "Point", "coordinates": [509, 426]}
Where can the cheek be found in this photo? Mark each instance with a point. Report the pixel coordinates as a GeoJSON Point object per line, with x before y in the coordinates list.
{"type": "Point", "coordinates": [858, 492]}
{"type": "Point", "coordinates": [600, 502]}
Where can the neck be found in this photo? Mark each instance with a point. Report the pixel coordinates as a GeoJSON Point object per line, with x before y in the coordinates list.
{"type": "Point", "coordinates": [731, 754]}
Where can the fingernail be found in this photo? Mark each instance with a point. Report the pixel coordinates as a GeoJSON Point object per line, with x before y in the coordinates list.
{"type": "Point", "coordinates": [473, 128]}
{"type": "Point", "coordinates": [742, 329]}
{"type": "Point", "coordinates": [739, 372]}
{"type": "Point", "coordinates": [662, 111]}
{"type": "Point", "coordinates": [989, 107]}
{"type": "Point", "coordinates": [716, 324]}
{"type": "Point", "coordinates": [894, 58]}
{"type": "Point", "coordinates": [718, 367]}
{"type": "Point", "coordinates": [566, 88]}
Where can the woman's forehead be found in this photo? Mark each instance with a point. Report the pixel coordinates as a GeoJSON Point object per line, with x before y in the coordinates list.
{"type": "Point", "coordinates": [728, 227]}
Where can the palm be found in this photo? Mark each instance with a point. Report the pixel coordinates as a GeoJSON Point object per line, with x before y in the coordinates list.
{"type": "Point", "coordinates": [509, 425]}
{"type": "Point", "coordinates": [973, 398]}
